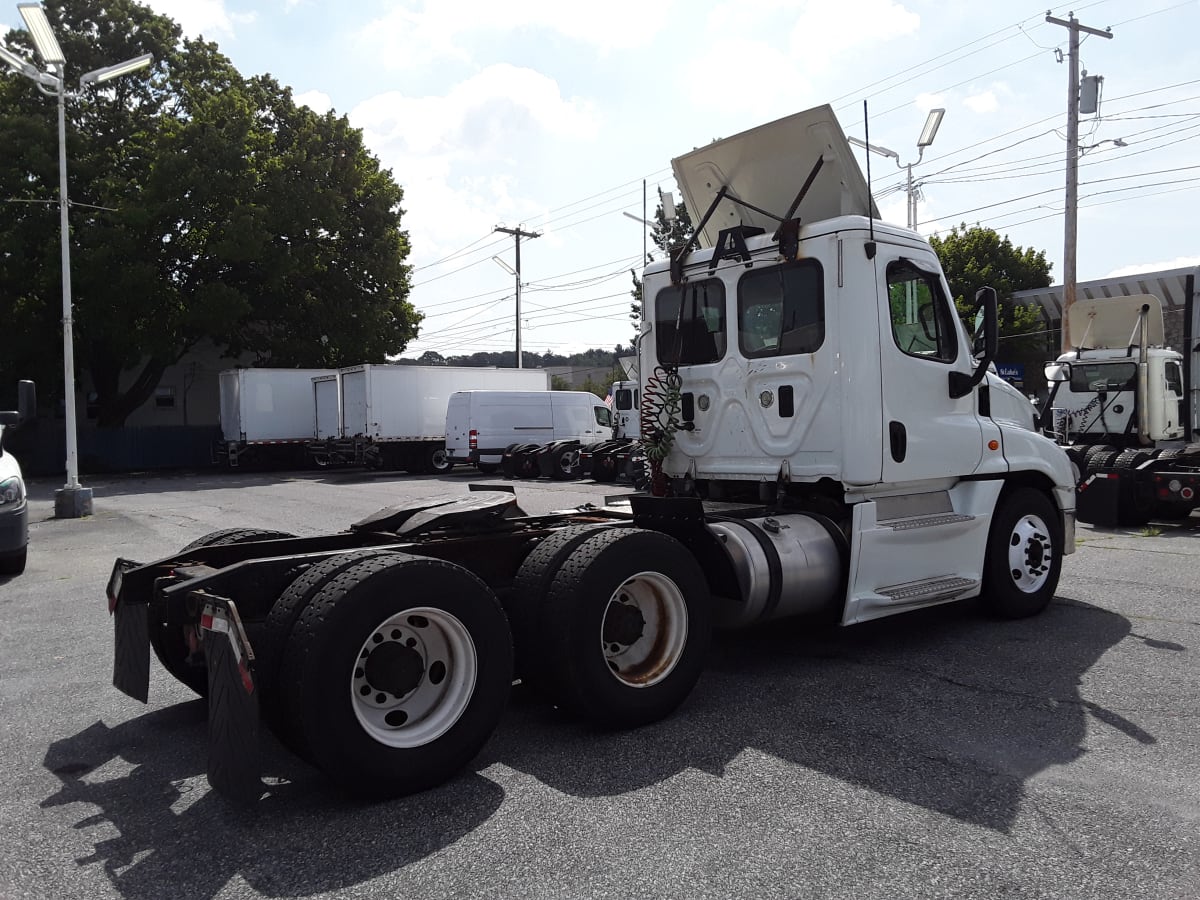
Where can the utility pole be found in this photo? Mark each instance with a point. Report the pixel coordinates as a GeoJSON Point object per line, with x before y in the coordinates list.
{"type": "Point", "coordinates": [1071, 227]}
{"type": "Point", "coordinates": [517, 234]}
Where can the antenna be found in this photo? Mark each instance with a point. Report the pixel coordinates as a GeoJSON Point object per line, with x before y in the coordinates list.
{"type": "Point", "coordinates": [870, 193]}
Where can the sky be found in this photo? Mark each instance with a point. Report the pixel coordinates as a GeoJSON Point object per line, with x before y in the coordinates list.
{"type": "Point", "coordinates": [548, 115]}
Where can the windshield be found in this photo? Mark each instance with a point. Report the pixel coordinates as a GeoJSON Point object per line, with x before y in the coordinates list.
{"type": "Point", "coordinates": [1089, 377]}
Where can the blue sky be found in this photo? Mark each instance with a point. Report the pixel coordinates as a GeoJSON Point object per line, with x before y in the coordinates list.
{"type": "Point", "coordinates": [549, 114]}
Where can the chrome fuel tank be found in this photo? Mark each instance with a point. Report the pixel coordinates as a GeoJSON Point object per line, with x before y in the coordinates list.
{"type": "Point", "coordinates": [786, 565]}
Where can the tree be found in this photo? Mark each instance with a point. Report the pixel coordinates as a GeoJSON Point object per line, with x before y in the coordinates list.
{"type": "Point", "coordinates": [973, 257]}
{"type": "Point", "coordinates": [665, 234]}
{"type": "Point", "coordinates": [204, 205]}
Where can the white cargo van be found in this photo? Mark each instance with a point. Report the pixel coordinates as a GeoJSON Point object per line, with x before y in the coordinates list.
{"type": "Point", "coordinates": [480, 424]}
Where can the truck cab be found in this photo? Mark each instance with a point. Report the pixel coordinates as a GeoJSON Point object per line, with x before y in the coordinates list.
{"type": "Point", "coordinates": [812, 359]}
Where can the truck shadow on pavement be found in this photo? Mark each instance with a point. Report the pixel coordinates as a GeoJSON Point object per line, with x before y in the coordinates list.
{"type": "Point", "coordinates": [942, 708]}
{"type": "Point", "coordinates": [176, 837]}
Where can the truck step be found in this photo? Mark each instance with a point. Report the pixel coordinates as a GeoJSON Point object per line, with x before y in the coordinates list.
{"type": "Point", "coordinates": [944, 587]}
{"type": "Point", "coordinates": [926, 521]}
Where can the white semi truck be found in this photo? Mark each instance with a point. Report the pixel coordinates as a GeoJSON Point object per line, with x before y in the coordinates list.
{"type": "Point", "coordinates": [825, 443]}
{"type": "Point", "coordinates": [1125, 407]}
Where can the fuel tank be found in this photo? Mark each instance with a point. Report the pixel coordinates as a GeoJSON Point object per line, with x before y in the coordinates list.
{"type": "Point", "coordinates": [786, 565]}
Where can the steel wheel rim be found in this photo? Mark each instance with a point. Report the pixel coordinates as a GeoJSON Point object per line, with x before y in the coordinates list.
{"type": "Point", "coordinates": [1030, 554]}
{"type": "Point", "coordinates": [440, 460]}
{"type": "Point", "coordinates": [658, 647]}
{"type": "Point", "coordinates": [426, 674]}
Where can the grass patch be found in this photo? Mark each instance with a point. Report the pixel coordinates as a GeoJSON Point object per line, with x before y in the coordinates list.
{"type": "Point", "coordinates": [1150, 531]}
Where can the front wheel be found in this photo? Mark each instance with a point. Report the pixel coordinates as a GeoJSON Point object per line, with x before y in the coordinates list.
{"type": "Point", "coordinates": [1024, 555]}
{"type": "Point", "coordinates": [396, 673]}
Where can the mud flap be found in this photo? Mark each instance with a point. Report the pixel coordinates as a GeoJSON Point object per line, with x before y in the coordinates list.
{"type": "Point", "coordinates": [233, 752]}
{"type": "Point", "coordinates": [131, 637]}
{"type": "Point", "coordinates": [1098, 500]}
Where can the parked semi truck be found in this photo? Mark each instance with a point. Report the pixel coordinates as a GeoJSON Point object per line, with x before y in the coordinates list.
{"type": "Point", "coordinates": [622, 455]}
{"type": "Point", "coordinates": [1125, 407]}
{"type": "Point", "coordinates": [824, 441]}
{"type": "Point", "coordinates": [266, 416]}
{"type": "Point", "coordinates": [394, 416]}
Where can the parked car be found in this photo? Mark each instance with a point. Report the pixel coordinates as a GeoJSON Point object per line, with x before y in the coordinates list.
{"type": "Point", "coordinates": [14, 508]}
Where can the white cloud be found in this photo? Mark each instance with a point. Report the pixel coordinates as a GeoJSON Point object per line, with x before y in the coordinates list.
{"type": "Point", "coordinates": [426, 30]}
{"type": "Point", "coordinates": [926, 102]}
{"type": "Point", "coordinates": [454, 154]}
{"type": "Point", "coordinates": [1179, 262]}
{"type": "Point", "coordinates": [318, 101]}
{"type": "Point", "coordinates": [981, 103]}
{"type": "Point", "coordinates": [210, 18]}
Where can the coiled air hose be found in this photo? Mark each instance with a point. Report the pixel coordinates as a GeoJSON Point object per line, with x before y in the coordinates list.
{"type": "Point", "coordinates": [659, 415]}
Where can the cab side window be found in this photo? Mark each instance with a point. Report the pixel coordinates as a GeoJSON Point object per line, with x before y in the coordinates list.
{"type": "Point", "coordinates": [689, 323]}
{"type": "Point", "coordinates": [603, 416]}
{"type": "Point", "coordinates": [922, 319]}
{"type": "Point", "coordinates": [1174, 379]}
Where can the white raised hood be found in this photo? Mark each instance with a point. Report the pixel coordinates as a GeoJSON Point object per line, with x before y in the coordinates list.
{"type": "Point", "coordinates": [766, 166]}
{"type": "Point", "coordinates": [1111, 322]}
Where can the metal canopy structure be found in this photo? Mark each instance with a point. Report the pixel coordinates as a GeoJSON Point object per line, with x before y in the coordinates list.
{"type": "Point", "coordinates": [1169, 285]}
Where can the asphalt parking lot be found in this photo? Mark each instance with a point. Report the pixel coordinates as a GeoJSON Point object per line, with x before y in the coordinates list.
{"type": "Point", "coordinates": [939, 754]}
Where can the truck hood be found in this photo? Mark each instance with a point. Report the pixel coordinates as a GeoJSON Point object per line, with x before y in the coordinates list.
{"type": "Point", "coordinates": [767, 166]}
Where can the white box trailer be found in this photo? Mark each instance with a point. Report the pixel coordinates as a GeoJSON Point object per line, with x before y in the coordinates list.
{"type": "Point", "coordinates": [395, 416]}
{"type": "Point", "coordinates": [267, 414]}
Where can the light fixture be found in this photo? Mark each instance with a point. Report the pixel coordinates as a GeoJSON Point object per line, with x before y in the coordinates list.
{"type": "Point", "coordinates": [99, 76]}
{"type": "Point", "coordinates": [23, 66]}
{"type": "Point", "coordinates": [505, 266]}
{"type": "Point", "coordinates": [874, 148]}
{"type": "Point", "coordinates": [43, 36]}
{"type": "Point", "coordinates": [929, 132]}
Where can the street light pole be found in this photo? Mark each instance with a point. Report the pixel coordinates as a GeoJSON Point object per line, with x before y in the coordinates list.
{"type": "Point", "coordinates": [932, 122]}
{"type": "Point", "coordinates": [81, 506]}
{"type": "Point", "coordinates": [72, 500]}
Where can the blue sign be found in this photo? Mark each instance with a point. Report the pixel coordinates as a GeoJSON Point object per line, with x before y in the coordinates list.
{"type": "Point", "coordinates": [1013, 373]}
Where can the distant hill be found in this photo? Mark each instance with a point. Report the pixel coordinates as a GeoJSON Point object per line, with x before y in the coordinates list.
{"type": "Point", "coordinates": [596, 358]}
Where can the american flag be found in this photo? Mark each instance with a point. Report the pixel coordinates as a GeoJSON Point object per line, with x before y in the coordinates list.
{"type": "Point", "coordinates": [608, 398]}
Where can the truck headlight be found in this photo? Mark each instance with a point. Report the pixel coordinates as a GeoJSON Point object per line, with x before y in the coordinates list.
{"type": "Point", "coordinates": [11, 491]}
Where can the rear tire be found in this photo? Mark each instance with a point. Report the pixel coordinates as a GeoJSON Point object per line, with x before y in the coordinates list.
{"type": "Point", "coordinates": [529, 591]}
{"type": "Point", "coordinates": [1024, 555]}
{"type": "Point", "coordinates": [566, 464]}
{"type": "Point", "coordinates": [398, 670]}
{"type": "Point", "coordinates": [14, 563]}
{"type": "Point", "coordinates": [625, 627]}
{"type": "Point", "coordinates": [437, 461]}
{"type": "Point", "coordinates": [280, 621]}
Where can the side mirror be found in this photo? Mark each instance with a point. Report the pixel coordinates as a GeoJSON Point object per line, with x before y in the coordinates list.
{"type": "Point", "coordinates": [1057, 371]}
{"type": "Point", "coordinates": [960, 384]}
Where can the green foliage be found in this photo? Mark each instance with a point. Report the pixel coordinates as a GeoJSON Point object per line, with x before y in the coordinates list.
{"type": "Point", "coordinates": [973, 257]}
{"type": "Point", "coordinates": [204, 205]}
{"type": "Point", "coordinates": [665, 235]}
{"type": "Point", "coordinates": [558, 383]}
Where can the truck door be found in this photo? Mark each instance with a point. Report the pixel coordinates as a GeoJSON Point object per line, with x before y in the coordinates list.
{"type": "Point", "coordinates": [926, 433]}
